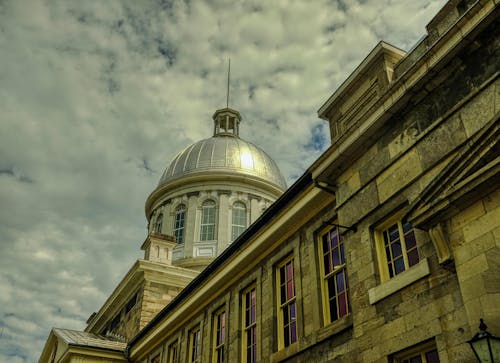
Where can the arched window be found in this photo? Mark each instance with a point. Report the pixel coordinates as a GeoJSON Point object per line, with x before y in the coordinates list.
{"type": "Point", "coordinates": [179, 222]}
{"type": "Point", "coordinates": [207, 230]}
{"type": "Point", "coordinates": [159, 222]}
{"type": "Point", "coordinates": [239, 223]}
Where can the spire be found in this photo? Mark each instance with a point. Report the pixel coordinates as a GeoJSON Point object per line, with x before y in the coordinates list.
{"type": "Point", "coordinates": [226, 120]}
{"type": "Point", "coordinates": [228, 78]}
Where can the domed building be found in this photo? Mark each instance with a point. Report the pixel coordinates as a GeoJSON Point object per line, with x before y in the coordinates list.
{"type": "Point", "coordinates": [206, 197]}
{"type": "Point", "coordinates": [211, 191]}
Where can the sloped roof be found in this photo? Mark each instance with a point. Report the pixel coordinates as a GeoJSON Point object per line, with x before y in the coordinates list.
{"type": "Point", "coordinates": [80, 338]}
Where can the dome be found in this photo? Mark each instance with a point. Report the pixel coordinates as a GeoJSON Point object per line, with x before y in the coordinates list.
{"type": "Point", "coordinates": [226, 154]}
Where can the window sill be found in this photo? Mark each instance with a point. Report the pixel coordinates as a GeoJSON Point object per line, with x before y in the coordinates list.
{"type": "Point", "coordinates": [398, 282]}
{"type": "Point", "coordinates": [324, 333]}
{"type": "Point", "coordinates": [285, 353]}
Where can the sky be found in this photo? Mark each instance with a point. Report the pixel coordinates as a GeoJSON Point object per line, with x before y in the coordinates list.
{"type": "Point", "coordinates": [97, 97]}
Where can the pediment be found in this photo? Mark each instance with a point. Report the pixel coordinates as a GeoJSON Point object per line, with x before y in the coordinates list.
{"type": "Point", "coordinates": [471, 174]}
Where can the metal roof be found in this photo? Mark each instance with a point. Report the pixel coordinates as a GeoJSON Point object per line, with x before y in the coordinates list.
{"type": "Point", "coordinates": [227, 154]}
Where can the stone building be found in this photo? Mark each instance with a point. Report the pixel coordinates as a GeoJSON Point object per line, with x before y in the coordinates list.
{"type": "Point", "coordinates": [387, 248]}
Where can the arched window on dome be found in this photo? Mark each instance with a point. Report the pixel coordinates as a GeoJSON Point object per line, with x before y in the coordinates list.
{"type": "Point", "coordinates": [239, 220]}
{"type": "Point", "coordinates": [207, 229]}
{"type": "Point", "coordinates": [179, 223]}
{"type": "Point", "coordinates": [158, 223]}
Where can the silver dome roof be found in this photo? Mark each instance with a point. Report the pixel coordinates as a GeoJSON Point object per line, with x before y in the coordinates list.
{"type": "Point", "coordinates": [227, 154]}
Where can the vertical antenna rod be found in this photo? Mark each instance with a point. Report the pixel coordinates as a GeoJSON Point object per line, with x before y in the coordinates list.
{"type": "Point", "coordinates": [228, 76]}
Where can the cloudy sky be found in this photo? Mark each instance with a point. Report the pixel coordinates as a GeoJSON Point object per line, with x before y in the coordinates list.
{"type": "Point", "coordinates": [96, 97]}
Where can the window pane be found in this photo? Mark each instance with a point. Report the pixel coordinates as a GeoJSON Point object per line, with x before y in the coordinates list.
{"type": "Point", "coordinates": [340, 281]}
{"type": "Point", "coordinates": [342, 257]}
{"type": "Point", "coordinates": [334, 236]}
{"type": "Point", "coordinates": [432, 356]}
{"type": "Point", "coordinates": [407, 226]}
{"type": "Point", "coordinates": [327, 264]}
{"type": "Point", "coordinates": [396, 249]}
{"type": "Point", "coordinates": [180, 214]}
{"type": "Point", "coordinates": [342, 304]}
{"type": "Point", "coordinates": [239, 219]}
{"type": "Point", "coordinates": [399, 265]}
{"type": "Point", "coordinates": [289, 290]}
{"type": "Point", "coordinates": [285, 317]}
{"type": "Point", "coordinates": [410, 240]}
{"type": "Point", "coordinates": [282, 275]}
{"type": "Point", "coordinates": [287, 337]}
{"type": "Point", "coordinates": [293, 331]}
{"type": "Point", "coordinates": [326, 246]}
{"type": "Point", "coordinates": [331, 286]}
{"type": "Point", "coordinates": [333, 309]}
{"type": "Point", "coordinates": [336, 257]}
{"type": "Point", "coordinates": [282, 294]}
{"type": "Point", "coordinates": [393, 232]}
{"type": "Point", "coordinates": [207, 221]}
{"type": "Point", "coordinates": [413, 257]}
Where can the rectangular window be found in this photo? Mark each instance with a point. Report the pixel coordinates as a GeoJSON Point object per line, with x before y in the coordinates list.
{"type": "Point", "coordinates": [239, 220]}
{"type": "Point", "coordinates": [287, 306]}
{"type": "Point", "coordinates": [335, 286]}
{"type": "Point", "coordinates": [195, 345]}
{"type": "Point", "coordinates": [207, 228]}
{"type": "Point", "coordinates": [173, 352]}
{"type": "Point", "coordinates": [219, 335]}
{"type": "Point", "coordinates": [423, 353]}
{"type": "Point", "coordinates": [396, 247]}
{"type": "Point", "coordinates": [249, 319]}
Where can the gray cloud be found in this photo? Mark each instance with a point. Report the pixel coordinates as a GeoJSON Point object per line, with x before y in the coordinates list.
{"type": "Point", "coordinates": [97, 97]}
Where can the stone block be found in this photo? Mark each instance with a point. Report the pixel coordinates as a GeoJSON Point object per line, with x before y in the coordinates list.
{"type": "Point", "coordinates": [482, 225]}
{"type": "Point", "coordinates": [467, 215]}
{"type": "Point", "coordinates": [361, 204]}
{"type": "Point", "coordinates": [403, 141]}
{"type": "Point", "coordinates": [440, 142]}
{"type": "Point", "coordinates": [374, 164]}
{"type": "Point", "coordinates": [472, 288]}
{"type": "Point", "coordinates": [398, 175]}
{"type": "Point", "coordinates": [478, 111]}
{"type": "Point", "coordinates": [472, 267]}
{"type": "Point", "coordinates": [474, 248]}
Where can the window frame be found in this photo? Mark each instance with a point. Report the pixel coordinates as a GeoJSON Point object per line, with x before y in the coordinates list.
{"type": "Point", "coordinates": [380, 246]}
{"type": "Point", "coordinates": [179, 223]}
{"type": "Point", "coordinates": [286, 332]}
{"type": "Point", "coordinates": [194, 346]}
{"type": "Point", "coordinates": [237, 208]}
{"type": "Point", "coordinates": [219, 345]}
{"type": "Point", "coordinates": [336, 270]}
{"type": "Point", "coordinates": [156, 356]}
{"type": "Point", "coordinates": [248, 328]}
{"type": "Point", "coordinates": [208, 206]}
{"type": "Point", "coordinates": [421, 350]}
{"type": "Point", "coordinates": [173, 351]}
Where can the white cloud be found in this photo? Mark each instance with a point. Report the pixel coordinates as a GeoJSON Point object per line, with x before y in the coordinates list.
{"type": "Point", "coordinates": [91, 92]}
